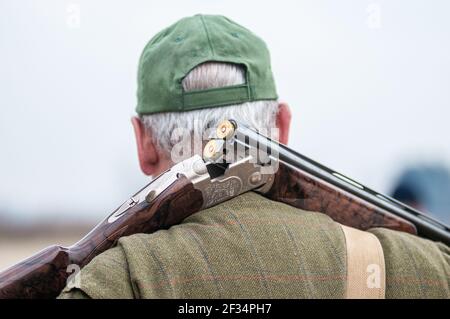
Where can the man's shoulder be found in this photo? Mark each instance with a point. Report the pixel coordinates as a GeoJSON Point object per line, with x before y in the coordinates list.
{"type": "Point", "coordinates": [249, 213]}
{"type": "Point", "coordinates": [246, 247]}
{"type": "Point", "coordinates": [236, 227]}
{"type": "Point", "coordinates": [252, 206]}
{"type": "Point", "coordinates": [252, 247]}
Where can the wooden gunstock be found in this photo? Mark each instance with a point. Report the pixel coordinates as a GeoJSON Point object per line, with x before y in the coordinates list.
{"type": "Point", "coordinates": [44, 275]}
{"type": "Point", "coordinates": [302, 190]}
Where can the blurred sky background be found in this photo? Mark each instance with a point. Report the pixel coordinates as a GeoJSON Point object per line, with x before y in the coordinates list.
{"type": "Point", "coordinates": [368, 83]}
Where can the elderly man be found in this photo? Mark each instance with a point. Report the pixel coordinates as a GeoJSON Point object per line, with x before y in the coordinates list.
{"type": "Point", "coordinates": [192, 75]}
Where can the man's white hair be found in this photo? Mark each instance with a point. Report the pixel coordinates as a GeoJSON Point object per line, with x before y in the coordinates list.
{"type": "Point", "coordinates": [259, 115]}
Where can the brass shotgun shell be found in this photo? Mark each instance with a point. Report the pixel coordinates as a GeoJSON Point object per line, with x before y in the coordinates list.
{"type": "Point", "coordinates": [225, 130]}
{"type": "Point", "coordinates": [213, 150]}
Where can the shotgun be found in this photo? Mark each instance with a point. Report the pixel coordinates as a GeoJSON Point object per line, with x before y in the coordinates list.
{"type": "Point", "coordinates": [236, 159]}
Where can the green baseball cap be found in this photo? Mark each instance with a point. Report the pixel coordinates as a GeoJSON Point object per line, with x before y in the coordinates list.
{"type": "Point", "coordinates": [176, 50]}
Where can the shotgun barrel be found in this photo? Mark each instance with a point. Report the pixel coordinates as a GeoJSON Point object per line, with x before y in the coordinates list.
{"type": "Point", "coordinates": [307, 184]}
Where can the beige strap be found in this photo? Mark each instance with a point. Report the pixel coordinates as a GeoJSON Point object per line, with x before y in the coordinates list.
{"type": "Point", "coordinates": [366, 278]}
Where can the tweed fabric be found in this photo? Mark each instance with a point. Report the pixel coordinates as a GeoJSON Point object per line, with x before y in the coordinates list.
{"type": "Point", "coordinates": [415, 267]}
{"type": "Point", "coordinates": [251, 247]}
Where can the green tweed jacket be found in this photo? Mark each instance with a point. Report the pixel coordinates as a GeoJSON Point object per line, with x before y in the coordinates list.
{"type": "Point", "coordinates": [251, 247]}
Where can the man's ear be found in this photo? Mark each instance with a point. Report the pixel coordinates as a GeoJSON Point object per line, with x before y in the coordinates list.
{"type": "Point", "coordinates": [283, 122]}
{"type": "Point", "coordinates": [147, 151]}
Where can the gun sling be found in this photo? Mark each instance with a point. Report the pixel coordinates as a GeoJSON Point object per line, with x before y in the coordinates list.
{"type": "Point", "coordinates": [366, 278]}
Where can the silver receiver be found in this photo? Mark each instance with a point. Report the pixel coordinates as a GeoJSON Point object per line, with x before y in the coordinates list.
{"type": "Point", "coordinates": [219, 175]}
{"type": "Point", "coordinates": [156, 186]}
